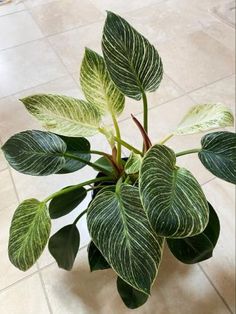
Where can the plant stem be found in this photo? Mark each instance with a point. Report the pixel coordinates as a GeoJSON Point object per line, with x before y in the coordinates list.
{"type": "Point", "coordinates": [166, 138]}
{"type": "Point", "coordinates": [128, 146]}
{"type": "Point", "coordinates": [80, 215]}
{"type": "Point", "coordinates": [119, 137]}
{"type": "Point", "coordinates": [145, 112]}
{"type": "Point", "coordinates": [97, 152]}
{"type": "Point", "coordinates": [189, 151]}
{"type": "Point", "coordinates": [91, 164]}
{"type": "Point", "coordinates": [72, 188]}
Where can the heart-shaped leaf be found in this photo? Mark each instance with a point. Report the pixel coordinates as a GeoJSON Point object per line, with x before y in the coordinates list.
{"type": "Point", "coordinates": [120, 230]}
{"type": "Point", "coordinates": [97, 86]}
{"type": "Point", "coordinates": [64, 115]}
{"type": "Point", "coordinates": [29, 233]}
{"type": "Point", "coordinates": [172, 198]}
{"type": "Point", "coordinates": [77, 146]}
{"type": "Point", "coordinates": [35, 152]}
{"type": "Point", "coordinates": [131, 297]}
{"type": "Point", "coordinates": [201, 118]}
{"type": "Point", "coordinates": [64, 245]}
{"type": "Point", "coordinates": [132, 62]}
{"type": "Point", "coordinates": [200, 247]}
{"type": "Point", "coordinates": [218, 154]}
{"type": "Point", "coordinates": [133, 164]}
{"type": "Point", "coordinates": [96, 259]}
{"type": "Point", "coordinates": [63, 204]}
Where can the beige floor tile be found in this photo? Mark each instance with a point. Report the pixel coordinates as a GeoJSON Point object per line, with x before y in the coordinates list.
{"type": "Point", "coordinates": [182, 17]}
{"type": "Point", "coordinates": [70, 45]}
{"type": "Point", "coordinates": [7, 194]}
{"type": "Point", "coordinates": [90, 293]}
{"type": "Point", "coordinates": [223, 33]}
{"type": "Point", "coordinates": [221, 268]}
{"type": "Point", "coordinates": [222, 91]}
{"type": "Point", "coordinates": [18, 29]}
{"type": "Point", "coordinates": [28, 65]}
{"type": "Point", "coordinates": [3, 163]}
{"type": "Point", "coordinates": [122, 5]}
{"type": "Point", "coordinates": [58, 16]}
{"type": "Point", "coordinates": [11, 8]}
{"type": "Point", "coordinates": [196, 60]}
{"type": "Point", "coordinates": [34, 3]}
{"type": "Point", "coordinates": [25, 297]}
{"type": "Point", "coordinates": [14, 116]}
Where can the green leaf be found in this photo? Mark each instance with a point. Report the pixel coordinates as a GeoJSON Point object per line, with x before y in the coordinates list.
{"type": "Point", "coordinates": [97, 86]}
{"type": "Point", "coordinates": [64, 245]}
{"type": "Point", "coordinates": [96, 259]}
{"type": "Point", "coordinates": [132, 62]}
{"type": "Point", "coordinates": [131, 297]}
{"type": "Point", "coordinates": [64, 115]}
{"type": "Point", "coordinates": [133, 164]}
{"type": "Point", "coordinates": [63, 204]}
{"type": "Point", "coordinates": [205, 117]}
{"type": "Point", "coordinates": [35, 152]}
{"type": "Point", "coordinates": [104, 162]}
{"type": "Point", "coordinates": [77, 146]}
{"type": "Point", "coordinates": [218, 154]}
{"type": "Point", "coordinates": [172, 198]}
{"type": "Point", "coordinates": [200, 247]}
{"type": "Point", "coordinates": [29, 233]}
{"type": "Point", "coordinates": [120, 230]}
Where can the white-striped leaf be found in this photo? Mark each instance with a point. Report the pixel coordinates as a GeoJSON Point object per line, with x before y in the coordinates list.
{"type": "Point", "coordinates": [201, 118]}
{"type": "Point", "coordinates": [64, 115]}
{"type": "Point", "coordinates": [218, 155]}
{"type": "Point", "coordinates": [29, 233]}
{"type": "Point", "coordinates": [133, 164]}
{"type": "Point", "coordinates": [35, 152]}
{"type": "Point", "coordinates": [132, 62]}
{"type": "Point", "coordinates": [97, 85]}
{"type": "Point", "coordinates": [120, 229]}
{"type": "Point", "coordinates": [172, 198]}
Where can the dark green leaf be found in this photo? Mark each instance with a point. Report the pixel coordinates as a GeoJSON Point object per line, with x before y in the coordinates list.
{"type": "Point", "coordinates": [29, 233]}
{"type": "Point", "coordinates": [218, 154]}
{"type": "Point", "coordinates": [64, 245]}
{"type": "Point", "coordinates": [172, 198]}
{"type": "Point", "coordinates": [132, 62]}
{"type": "Point", "coordinates": [104, 162]}
{"type": "Point", "coordinates": [131, 297]}
{"type": "Point", "coordinates": [35, 152]}
{"type": "Point", "coordinates": [96, 259]}
{"type": "Point", "coordinates": [120, 230]}
{"type": "Point", "coordinates": [77, 146]}
{"type": "Point", "coordinates": [198, 248]}
{"type": "Point", "coordinates": [63, 204]}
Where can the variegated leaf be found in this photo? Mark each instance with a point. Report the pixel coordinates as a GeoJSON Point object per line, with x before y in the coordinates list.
{"type": "Point", "coordinates": [64, 115]}
{"type": "Point", "coordinates": [132, 62]}
{"type": "Point", "coordinates": [218, 154]}
{"type": "Point", "coordinates": [172, 198]}
{"type": "Point", "coordinates": [35, 152]}
{"type": "Point", "coordinates": [97, 86]}
{"type": "Point", "coordinates": [205, 117]}
{"type": "Point", "coordinates": [119, 228]}
{"type": "Point", "coordinates": [29, 233]}
{"type": "Point", "coordinates": [133, 164]}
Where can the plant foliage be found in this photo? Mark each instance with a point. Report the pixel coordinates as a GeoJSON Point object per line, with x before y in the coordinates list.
{"type": "Point", "coordinates": [138, 202]}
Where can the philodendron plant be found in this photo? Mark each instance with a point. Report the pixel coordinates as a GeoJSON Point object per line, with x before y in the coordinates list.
{"type": "Point", "coordinates": [138, 202]}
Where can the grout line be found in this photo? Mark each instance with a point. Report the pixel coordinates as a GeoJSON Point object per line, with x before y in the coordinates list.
{"type": "Point", "coordinates": [18, 281]}
{"type": "Point", "coordinates": [214, 287]}
{"type": "Point", "coordinates": [44, 290]}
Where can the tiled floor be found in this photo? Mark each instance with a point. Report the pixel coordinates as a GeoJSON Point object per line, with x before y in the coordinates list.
{"type": "Point", "coordinates": [41, 48]}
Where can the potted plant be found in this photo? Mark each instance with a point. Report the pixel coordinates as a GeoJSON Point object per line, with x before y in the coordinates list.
{"type": "Point", "coordinates": [139, 202]}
